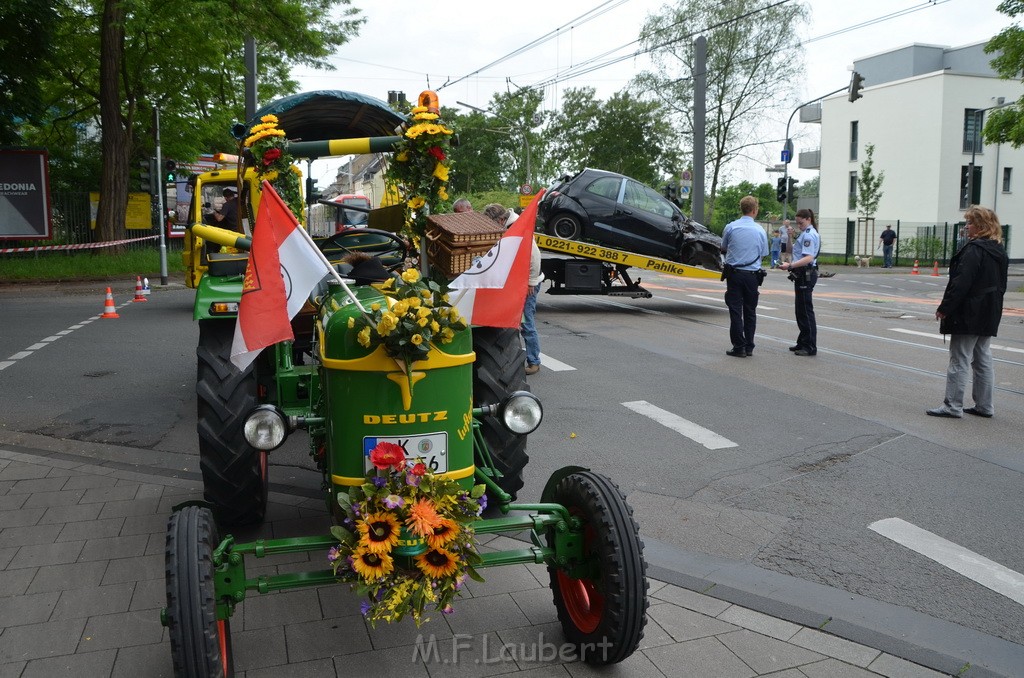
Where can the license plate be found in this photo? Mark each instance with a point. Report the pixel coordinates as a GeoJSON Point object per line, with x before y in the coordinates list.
{"type": "Point", "coordinates": [432, 448]}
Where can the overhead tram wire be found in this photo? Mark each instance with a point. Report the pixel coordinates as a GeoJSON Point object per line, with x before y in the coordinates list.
{"type": "Point", "coordinates": [578, 21]}
{"type": "Point", "coordinates": [577, 70]}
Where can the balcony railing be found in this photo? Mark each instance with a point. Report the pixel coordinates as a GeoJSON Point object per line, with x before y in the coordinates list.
{"type": "Point", "coordinates": [810, 159]}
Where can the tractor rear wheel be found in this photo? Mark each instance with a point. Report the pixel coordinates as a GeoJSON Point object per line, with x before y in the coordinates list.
{"type": "Point", "coordinates": [603, 613]}
{"type": "Point", "coordinates": [500, 369]}
{"type": "Point", "coordinates": [200, 643]}
{"type": "Point", "coordinates": [234, 473]}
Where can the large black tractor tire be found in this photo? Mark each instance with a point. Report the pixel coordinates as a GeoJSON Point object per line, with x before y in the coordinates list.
{"type": "Point", "coordinates": [566, 226]}
{"type": "Point", "coordinates": [603, 616]}
{"type": "Point", "coordinates": [200, 643]}
{"type": "Point", "coordinates": [500, 369]}
{"type": "Point", "coordinates": [234, 473]}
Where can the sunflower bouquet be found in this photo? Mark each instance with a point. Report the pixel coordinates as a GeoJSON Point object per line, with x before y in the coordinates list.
{"type": "Point", "coordinates": [421, 165]}
{"type": "Point", "coordinates": [266, 149]}
{"type": "Point", "coordinates": [417, 312]}
{"type": "Point", "coordinates": [407, 539]}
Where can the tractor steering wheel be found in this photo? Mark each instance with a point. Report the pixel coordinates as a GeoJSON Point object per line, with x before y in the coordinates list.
{"type": "Point", "coordinates": [390, 248]}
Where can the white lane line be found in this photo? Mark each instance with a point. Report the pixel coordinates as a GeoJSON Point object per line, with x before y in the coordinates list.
{"type": "Point", "coordinates": [49, 339]}
{"type": "Point", "coordinates": [980, 569]}
{"type": "Point", "coordinates": [697, 434]}
{"type": "Point", "coordinates": [36, 347]}
{"type": "Point", "coordinates": [19, 355]}
{"type": "Point", "coordinates": [722, 301]}
{"type": "Point", "coordinates": [6, 363]}
{"type": "Point", "coordinates": [554, 365]}
{"type": "Point", "coordinates": [933, 335]}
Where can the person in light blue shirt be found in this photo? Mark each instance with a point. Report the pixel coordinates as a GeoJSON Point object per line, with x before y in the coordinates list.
{"type": "Point", "coordinates": [804, 274]}
{"type": "Point", "coordinates": [744, 244]}
{"type": "Point", "coordinates": [776, 247]}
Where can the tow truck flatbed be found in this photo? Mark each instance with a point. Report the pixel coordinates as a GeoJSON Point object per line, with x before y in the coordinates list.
{"type": "Point", "coordinates": [597, 269]}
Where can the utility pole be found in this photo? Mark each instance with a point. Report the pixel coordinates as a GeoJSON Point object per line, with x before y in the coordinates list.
{"type": "Point", "coordinates": [161, 192]}
{"type": "Point", "coordinates": [700, 85]}
{"type": "Point", "coordinates": [250, 79]}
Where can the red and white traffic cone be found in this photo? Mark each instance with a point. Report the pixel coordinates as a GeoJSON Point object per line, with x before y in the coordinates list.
{"type": "Point", "coordinates": [914, 271]}
{"type": "Point", "coordinates": [138, 290]}
{"type": "Point", "coordinates": [108, 306]}
{"type": "Point", "coordinates": [935, 270]}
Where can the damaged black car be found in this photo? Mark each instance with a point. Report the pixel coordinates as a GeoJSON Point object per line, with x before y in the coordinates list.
{"type": "Point", "coordinates": [615, 211]}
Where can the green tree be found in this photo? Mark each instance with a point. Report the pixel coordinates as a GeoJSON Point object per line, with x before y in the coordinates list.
{"type": "Point", "coordinates": [115, 61]}
{"type": "Point", "coordinates": [729, 203]}
{"type": "Point", "coordinates": [752, 57]}
{"type": "Point", "coordinates": [869, 185]}
{"type": "Point", "coordinates": [1006, 125]}
{"type": "Point", "coordinates": [24, 53]}
{"type": "Point", "coordinates": [476, 165]}
{"type": "Point", "coordinates": [624, 134]}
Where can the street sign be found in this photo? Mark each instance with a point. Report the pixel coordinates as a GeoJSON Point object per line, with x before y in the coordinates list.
{"type": "Point", "coordinates": [526, 189]}
{"type": "Point", "coordinates": [787, 151]}
{"type": "Point", "coordinates": [686, 175]}
{"type": "Point", "coordinates": [785, 156]}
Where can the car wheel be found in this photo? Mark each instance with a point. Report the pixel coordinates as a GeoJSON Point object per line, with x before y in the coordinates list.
{"type": "Point", "coordinates": [566, 226]}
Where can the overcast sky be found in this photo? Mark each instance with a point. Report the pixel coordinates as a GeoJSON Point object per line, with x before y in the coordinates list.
{"type": "Point", "coordinates": [411, 46]}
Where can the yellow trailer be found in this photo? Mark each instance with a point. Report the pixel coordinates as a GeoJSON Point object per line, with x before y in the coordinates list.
{"type": "Point", "coordinates": [596, 269]}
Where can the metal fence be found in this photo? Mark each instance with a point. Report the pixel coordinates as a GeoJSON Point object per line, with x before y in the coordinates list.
{"type": "Point", "coordinates": [72, 218]}
{"type": "Point", "coordinates": [920, 241]}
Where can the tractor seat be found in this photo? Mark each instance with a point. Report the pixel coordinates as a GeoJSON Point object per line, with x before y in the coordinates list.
{"type": "Point", "coordinates": [228, 263]}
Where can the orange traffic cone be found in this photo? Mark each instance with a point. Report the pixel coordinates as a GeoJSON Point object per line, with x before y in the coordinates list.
{"type": "Point", "coordinates": [935, 270]}
{"type": "Point", "coordinates": [138, 290]}
{"type": "Point", "coordinates": [914, 271]}
{"type": "Point", "coordinates": [108, 306]}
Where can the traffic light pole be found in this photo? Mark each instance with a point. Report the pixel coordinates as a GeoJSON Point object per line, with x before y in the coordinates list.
{"type": "Point", "coordinates": [161, 192]}
{"type": "Point", "coordinates": [785, 174]}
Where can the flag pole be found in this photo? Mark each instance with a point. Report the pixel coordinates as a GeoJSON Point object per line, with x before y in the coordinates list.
{"type": "Point", "coordinates": [334, 271]}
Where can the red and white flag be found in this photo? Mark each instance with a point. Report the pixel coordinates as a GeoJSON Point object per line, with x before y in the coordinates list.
{"type": "Point", "coordinates": [284, 266]}
{"type": "Point", "coordinates": [495, 286]}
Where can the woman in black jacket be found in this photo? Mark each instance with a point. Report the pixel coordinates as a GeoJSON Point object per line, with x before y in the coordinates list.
{"type": "Point", "coordinates": [970, 312]}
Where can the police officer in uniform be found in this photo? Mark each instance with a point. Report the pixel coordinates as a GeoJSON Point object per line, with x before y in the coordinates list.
{"type": "Point", "coordinates": [744, 244]}
{"type": "Point", "coordinates": [804, 274]}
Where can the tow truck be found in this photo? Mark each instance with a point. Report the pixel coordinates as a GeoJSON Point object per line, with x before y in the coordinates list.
{"type": "Point", "coordinates": [596, 269]}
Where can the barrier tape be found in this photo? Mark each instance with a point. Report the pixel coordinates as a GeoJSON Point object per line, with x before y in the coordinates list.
{"type": "Point", "coordinates": [82, 246]}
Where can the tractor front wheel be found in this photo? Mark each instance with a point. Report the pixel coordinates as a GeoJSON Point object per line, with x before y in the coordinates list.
{"type": "Point", "coordinates": [200, 643]}
{"type": "Point", "coordinates": [500, 369]}
{"type": "Point", "coordinates": [234, 473]}
{"type": "Point", "coordinates": [603, 610]}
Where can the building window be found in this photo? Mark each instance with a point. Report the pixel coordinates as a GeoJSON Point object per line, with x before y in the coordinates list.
{"type": "Point", "coordinates": [970, 195]}
{"type": "Point", "coordinates": [853, 139]}
{"type": "Point", "coordinates": [974, 119]}
{"type": "Point", "coordinates": [852, 192]}
{"type": "Point", "coordinates": [1007, 174]}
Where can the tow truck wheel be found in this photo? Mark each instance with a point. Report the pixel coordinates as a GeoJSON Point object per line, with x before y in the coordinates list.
{"type": "Point", "coordinates": [234, 473]}
{"type": "Point", "coordinates": [200, 643]}
{"type": "Point", "coordinates": [500, 369]}
{"type": "Point", "coordinates": [566, 226]}
{"type": "Point", "coordinates": [604, 611]}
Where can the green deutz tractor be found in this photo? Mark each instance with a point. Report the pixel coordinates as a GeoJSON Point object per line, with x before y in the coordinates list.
{"type": "Point", "coordinates": [467, 420]}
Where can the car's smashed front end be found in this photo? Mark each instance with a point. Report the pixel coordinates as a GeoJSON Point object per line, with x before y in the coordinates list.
{"type": "Point", "coordinates": [698, 246]}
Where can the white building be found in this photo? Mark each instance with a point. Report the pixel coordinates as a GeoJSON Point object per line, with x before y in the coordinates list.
{"type": "Point", "coordinates": [922, 108]}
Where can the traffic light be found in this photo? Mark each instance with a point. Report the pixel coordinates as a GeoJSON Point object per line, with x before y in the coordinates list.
{"type": "Point", "coordinates": [780, 190]}
{"type": "Point", "coordinates": [170, 171]}
{"type": "Point", "coordinates": [146, 175]}
{"type": "Point", "coordinates": [856, 85]}
{"type": "Point", "coordinates": [312, 194]}
{"type": "Point", "coordinates": [791, 193]}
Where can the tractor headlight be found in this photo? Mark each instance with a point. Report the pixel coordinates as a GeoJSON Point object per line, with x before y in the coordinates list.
{"type": "Point", "coordinates": [266, 428]}
{"type": "Point", "coordinates": [521, 412]}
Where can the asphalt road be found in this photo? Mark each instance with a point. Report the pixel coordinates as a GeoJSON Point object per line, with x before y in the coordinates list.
{"type": "Point", "coordinates": [776, 460]}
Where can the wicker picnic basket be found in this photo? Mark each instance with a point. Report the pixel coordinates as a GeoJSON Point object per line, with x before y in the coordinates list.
{"type": "Point", "coordinates": [455, 240]}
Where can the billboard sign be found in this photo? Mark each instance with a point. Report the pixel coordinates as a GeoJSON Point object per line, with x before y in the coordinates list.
{"type": "Point", "coordinates": [25, 195]}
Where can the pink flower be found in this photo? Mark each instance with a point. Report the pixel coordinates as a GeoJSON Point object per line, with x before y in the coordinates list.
{"type": "Point", "coordinates": [393, 501]}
